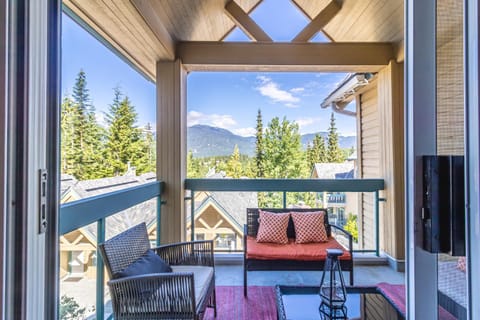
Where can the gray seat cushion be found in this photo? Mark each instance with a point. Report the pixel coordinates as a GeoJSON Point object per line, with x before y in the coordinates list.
{"type": "Point", "coordinates": [202, 276]}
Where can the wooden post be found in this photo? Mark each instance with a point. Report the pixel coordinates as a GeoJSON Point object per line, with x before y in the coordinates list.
{"type": "Point", "coordinates": [171, 147]}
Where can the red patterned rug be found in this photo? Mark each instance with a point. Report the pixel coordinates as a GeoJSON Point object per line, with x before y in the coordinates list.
{"type": "Point", "coordinates": [395, 293]}
{"type": "Point", "coordinates": [231, 305]}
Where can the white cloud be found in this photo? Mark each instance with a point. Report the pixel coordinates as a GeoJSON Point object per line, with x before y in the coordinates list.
{"type": "Point", "coordinates": [297, 90]}
{"type": "Point", "coordinates": [245, 132]}
{"type": "Point", "coordinates": [307, 122]}
{"type": "Point", "coordinates": [224, 121]}
{"type": "Point", "coordinates": [270, 89]}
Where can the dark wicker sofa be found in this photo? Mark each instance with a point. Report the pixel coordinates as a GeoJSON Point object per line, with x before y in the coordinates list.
{"type": "Point", "coordinates": [253, 264]}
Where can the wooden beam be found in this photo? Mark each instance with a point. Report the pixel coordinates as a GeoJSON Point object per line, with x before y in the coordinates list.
{"type": "Point", "coordinates": [244, 22]}
{"type": "Point", "coordinates": [233, 56]}
{"type": "Point", "coordinates": [318, 23]}
{"type": "Point", "coordinates": [155, 22]}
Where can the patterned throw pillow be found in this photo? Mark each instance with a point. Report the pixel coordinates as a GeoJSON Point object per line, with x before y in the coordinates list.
{"type": "Point", "coordinates": [273, 227]}
{"type": "Point", "coordinates": [462, 264]}
{"type": "Point", "coordinates": [309, 227]}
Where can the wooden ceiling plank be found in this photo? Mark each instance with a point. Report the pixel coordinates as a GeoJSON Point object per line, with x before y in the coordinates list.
{"type": "Point", "coordinates": [255, 56]}
{"type": "Point", "coordinates": [244, 22]}
{"type": "Point", "coordinates": [151, 18]}
{"type": "Point", "coordinates": [318, 23]}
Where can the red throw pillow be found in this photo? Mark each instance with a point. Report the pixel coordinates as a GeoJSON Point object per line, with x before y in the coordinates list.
{"type": "Point", "coordinates": [273, 227]}
{"type": "Point", "coordinates": [462, 264]}
{"type": "Point", "coordinates": [309, 227]}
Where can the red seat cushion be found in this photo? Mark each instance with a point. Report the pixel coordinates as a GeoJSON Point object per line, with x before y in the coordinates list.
{"type": "Point", "coordinates": [292, 250]}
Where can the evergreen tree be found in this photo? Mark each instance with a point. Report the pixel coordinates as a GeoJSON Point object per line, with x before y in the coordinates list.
{"type": "Point", "coordinates": [334, 153]}
{"type": "Point", "coordinates": [192, 171]}
{"type": "Point", "coordinates": [68, 151]}
{"type": "Point", "coordinates": [316, 152]}
{"type": "Point", "coordinates": [234, 166]}
{"type": "Point", "coordinates": [146, 161]}
{"type": "Point", "coordinates": [124, 144]}
{"type": "Point", "coordinates": [259, 147]}
{"type": "Point", "coordinates": [87, 134]}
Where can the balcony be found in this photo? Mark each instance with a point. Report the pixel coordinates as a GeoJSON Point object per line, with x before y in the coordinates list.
{"type": "Point", "coordinates": [96, 212]}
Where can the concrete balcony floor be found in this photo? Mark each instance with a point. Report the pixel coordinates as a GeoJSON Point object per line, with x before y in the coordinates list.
{"type": "Point", "coordinates": [232, 275]}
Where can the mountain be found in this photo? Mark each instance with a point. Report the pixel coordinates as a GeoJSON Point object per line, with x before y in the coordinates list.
{"type": "Point", "coordinates": [206, 141]}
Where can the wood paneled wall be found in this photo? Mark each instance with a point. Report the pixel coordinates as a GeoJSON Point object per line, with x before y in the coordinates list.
{"type": "Point", "coordinates": [369, 152]}
{"type": "Point", "coordinates": [391, 116]}
{"type": "Point", "coordinates": [381, 155]}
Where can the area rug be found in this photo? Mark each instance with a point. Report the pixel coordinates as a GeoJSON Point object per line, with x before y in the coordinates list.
{"type": "Point", "coordinates": [395, 293]}
{"type": "Point", "coordinates": [232, 305]}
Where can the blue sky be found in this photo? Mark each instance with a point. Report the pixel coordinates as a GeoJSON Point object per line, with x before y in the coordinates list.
{"type": "Point", "coordinates": [228, 100]}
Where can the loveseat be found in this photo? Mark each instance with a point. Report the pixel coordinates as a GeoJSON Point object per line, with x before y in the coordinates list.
{"type": "Point", "coordinates": [266, 256]}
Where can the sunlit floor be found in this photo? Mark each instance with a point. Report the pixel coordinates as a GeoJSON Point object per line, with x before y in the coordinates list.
{"type": "Point", "coordinates": [232, 275]}
{"type": "Point", "coordinates": [83, 290]}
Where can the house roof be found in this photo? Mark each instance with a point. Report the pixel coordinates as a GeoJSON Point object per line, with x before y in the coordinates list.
{"type": "Point", "coordinates": [147, 31]}
{"type": "Point", "coordinates": [143, 212]}
{"type": "Point", "coordinates": [343, 170]}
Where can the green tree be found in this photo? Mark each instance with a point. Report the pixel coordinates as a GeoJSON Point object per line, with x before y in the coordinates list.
{"type": "Point", "coordinates": [68, 151]}
{"type": "Point", "coordinates": [352, 226]}
{"type": "Point", "coordinates": [283, 156]}
{"type": "Point", "coordinates": [147, 156]}
{"type": "Point", "coordinates": [83, 135]}
{"type": "Point", "coordinates": [316, 151]}
{"type": "Point", "coordinates": [234, 166]}
{"type": "Point", "coordinates": [70, 309]}
{"type": "Point", "coordinates": [259, 147]}
{"type": "Point", "coordinates": [334, 153]}
{"type": "Point", "coordinates": [125, 145]}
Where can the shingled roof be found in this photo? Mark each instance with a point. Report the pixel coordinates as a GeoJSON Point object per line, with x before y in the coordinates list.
{"type": "Point", "coordinates": [344, 170]}
{"type": "Point", "coordinates": [143, 212]}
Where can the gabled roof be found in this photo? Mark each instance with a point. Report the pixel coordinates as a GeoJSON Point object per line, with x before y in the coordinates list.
{"type": "Point", "coordinates": [143, 212]}
{"type": "Point", "coordinates": [344, 170]}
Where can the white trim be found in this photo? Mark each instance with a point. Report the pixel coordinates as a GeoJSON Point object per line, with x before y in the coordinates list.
{"type": "Point", "coordinates": [472, 155]}
{"type": "Point", "coordinates": [3, 145]}
{"type": "Point", "coordinates": [420, 90]}
{"type": "Point", "coordinates": [37, 102]}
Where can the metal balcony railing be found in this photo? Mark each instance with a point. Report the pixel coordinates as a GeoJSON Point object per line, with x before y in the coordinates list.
{"type": "Point", "coordinates": [80, 213]}
{"type": "Point", "coordinates": [290, 185]}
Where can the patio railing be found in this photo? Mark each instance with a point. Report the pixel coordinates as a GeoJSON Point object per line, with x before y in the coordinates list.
{"type": "Point", "coordinates": [80, 213]}
{"type": "Point", "coordinates": [286, 186]}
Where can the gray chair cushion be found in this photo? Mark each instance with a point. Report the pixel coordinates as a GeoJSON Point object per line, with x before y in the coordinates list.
{"type": "Point", "coordinates": [202, 276]}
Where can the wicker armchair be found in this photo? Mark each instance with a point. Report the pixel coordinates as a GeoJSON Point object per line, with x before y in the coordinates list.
{"type": "Point", "coordinates": [183, 294]}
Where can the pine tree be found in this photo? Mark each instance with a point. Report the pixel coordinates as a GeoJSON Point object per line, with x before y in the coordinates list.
{"type": "Point", "coordinates": [87, 134]}
{"type": "Point", "coordinates": [124, 145]}
{"type": "Point", "coordinates": [146, 159]}
{"type": "Point", "coordinates": [234, 166]}
{"type": "Point", "coordinates": [334, 153]}
{"type": "Point", "coordinates": [316, 151]}
{"type": "Point", "coordinates": [259, 147]}
{"type": "Point", "coordinates": [68, 151]}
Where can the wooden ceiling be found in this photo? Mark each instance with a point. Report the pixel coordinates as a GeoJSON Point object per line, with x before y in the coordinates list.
{"type": "Point", "coordinates": [147, 31]}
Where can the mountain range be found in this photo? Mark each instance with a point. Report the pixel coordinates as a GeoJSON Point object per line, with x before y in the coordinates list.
{"type": "Point", "coordinates": [207, 141]}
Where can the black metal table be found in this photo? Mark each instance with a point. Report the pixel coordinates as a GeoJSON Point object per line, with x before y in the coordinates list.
{"type": "Point", "coordinates": [302, 303]}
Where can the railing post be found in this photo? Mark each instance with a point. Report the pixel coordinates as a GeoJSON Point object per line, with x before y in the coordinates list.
{"type": "Point", "coordinates": [376, 201]}
{"type": "Point", "coordinates": [159, 216]}
{"type": "Point", "coordinates": [100, 305]}
{"type": "Point", "coordinates": [284, 199]}
{"type": "Point", "coordinates": [192, 215]}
